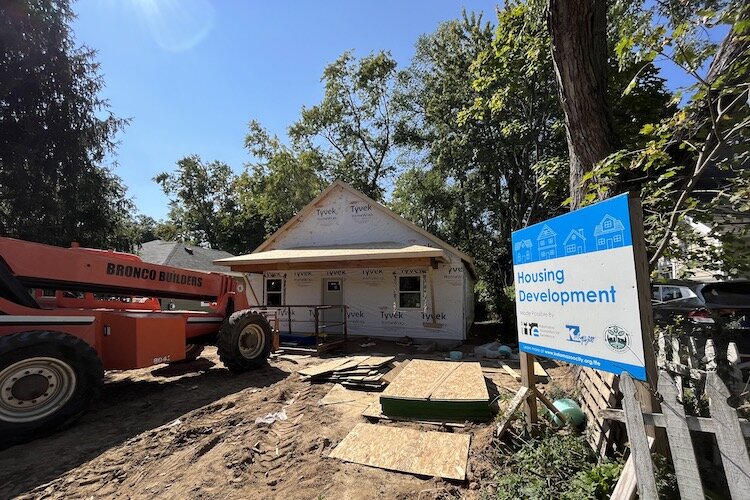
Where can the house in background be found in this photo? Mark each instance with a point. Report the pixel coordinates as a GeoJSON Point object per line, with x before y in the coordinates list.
{"type": "Point", "coordinates": [182, 255]}
{"type": "Point", "coordinates": [547, 243]}
{"type": "Point", "coordinates": [575, 243]}
{"type": "Point", "coordinates": [347, 256]}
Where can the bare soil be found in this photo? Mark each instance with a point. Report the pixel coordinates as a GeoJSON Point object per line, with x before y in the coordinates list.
{"type": "Point", "coordinates": [189, 431]}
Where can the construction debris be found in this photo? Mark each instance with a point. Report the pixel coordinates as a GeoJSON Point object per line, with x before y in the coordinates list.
{"type": "Point", "coordinates": [428, 453]}
{"type": "Point", "coordinates": [438, 390]}
{"type": "Point", "coordinates": [360, 372]}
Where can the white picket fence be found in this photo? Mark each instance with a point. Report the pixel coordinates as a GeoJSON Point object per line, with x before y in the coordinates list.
{"type": "Point", "coordinates": [729, 429]}
{"type": "Point", "coordinates": [689, 359]}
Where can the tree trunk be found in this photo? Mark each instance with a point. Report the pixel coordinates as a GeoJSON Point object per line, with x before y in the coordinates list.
{"type": "Point", "coordinates": [578, 31]}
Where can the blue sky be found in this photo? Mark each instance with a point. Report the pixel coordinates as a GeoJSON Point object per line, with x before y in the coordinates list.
{"type": "Point", "coordinates": [192, 73]}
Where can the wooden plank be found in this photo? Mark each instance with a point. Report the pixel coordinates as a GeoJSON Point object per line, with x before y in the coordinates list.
{"type": "Point", "coordinates": [391, 375]}
{"type": "Point", "coordinates": [339, 394]}
{"type": "Point", "coordinates": [639, 448]}
{"type": "Point", "coordinates": [550, 406]}
{"type": "Point", "coordinates": [403, 449]}
{"type": "Point", "coordinates": [528, 379]}
{"type": "Point", "coordinates": [326, 367]}
{"type": "Point", "coordinates": [465, 383]}
{"type": "Point", "coordinates": [510, 371]}
{"type": "Point", "coordinates": [697, 424]}
{"type": "Point", "coordinates": [514, 404]}
{"type": "Point", "coordinates": [729, 438]}
{"type": "Point", "coordinates": [539, 371]}
{"type": "Point", "coordinates": [678, 434]}
{"type": "Point", "coordinates": [376, 361]}
{"type": "Point", "coordinates": [418, 379]}
{"type": "Point", "coordinates": [625, 488]}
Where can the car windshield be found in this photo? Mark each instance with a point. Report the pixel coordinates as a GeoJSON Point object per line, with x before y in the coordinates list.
{"type": "Point", "coordinates": [727, 293]}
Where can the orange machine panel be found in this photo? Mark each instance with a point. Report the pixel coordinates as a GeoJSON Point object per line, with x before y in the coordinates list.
{"type": "Point", "coordinates": [138, 340]}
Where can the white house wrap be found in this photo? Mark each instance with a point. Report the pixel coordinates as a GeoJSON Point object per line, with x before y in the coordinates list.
{"type": "Point", "coordinates": [395, 278]}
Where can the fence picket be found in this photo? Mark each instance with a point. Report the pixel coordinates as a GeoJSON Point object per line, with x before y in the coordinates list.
{"type": "Point", "coordinates": [683, 455]}
{"type": "Point", "coordinates": [639, 447]}
{"type": "Point", "coordinates": [729, 438]}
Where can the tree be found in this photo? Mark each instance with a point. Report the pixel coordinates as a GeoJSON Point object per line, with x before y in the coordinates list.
{"type": "Point", "coordinates": [281, 182]}
{"type": "Point", "coordinates": [204, 206]}
{"type": "Point", "coordinates": [578, 35]}
{"type": "Point", "coordinates": [478, 141]}
{"type": "Point", "coordinates": [352, 127]}
{"type": "Point", "coordinates": [691, 165]}
{"type": "Point", "coordinates": [55, 133]}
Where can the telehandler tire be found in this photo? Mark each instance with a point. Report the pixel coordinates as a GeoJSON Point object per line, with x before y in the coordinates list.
{"type": "Point", "coordinates": [47, 380]}
{"type": "Point", "coordinates": [244, 341]}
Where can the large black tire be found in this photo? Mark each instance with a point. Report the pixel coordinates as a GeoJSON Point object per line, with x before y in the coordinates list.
{"type": "Point", "coordinates": [244, 341]}
{"type": "Point", "coordinates": [47, 380]}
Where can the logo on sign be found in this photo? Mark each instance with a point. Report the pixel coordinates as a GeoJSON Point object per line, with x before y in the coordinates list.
{"type": "Point", "coordinates": [531, 329]}
{"type": "Point", "coordinates": [617, 338]}
{"type": "Point", "coordinates": [574, 335]}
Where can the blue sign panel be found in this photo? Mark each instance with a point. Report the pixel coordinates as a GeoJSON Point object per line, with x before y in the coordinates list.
{"type": "Point", "coordinates": [576, 293]}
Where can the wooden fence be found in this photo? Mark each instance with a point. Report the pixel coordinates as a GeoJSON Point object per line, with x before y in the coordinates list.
{"type": "Point", "coordinates": [724, 423]}
{"type": "Point", "coordinates": [688, 359]}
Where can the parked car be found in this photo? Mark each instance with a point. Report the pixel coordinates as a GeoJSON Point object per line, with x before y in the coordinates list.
{"type": "Point", "coordinates": [719, 308]}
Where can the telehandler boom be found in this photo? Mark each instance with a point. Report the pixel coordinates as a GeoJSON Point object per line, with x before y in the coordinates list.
{"type": "Point", "coordinates": [52, 358]}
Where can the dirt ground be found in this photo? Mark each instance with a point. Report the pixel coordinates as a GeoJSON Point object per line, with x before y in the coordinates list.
{"type": "Point", "coordinates": [189, 431]}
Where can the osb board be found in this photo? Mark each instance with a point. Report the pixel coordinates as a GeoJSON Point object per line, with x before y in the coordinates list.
{"type": "Point", "coordinates": [427, 453]}
{"type": "Point", "coordinates": [340, 394]}
{"type": "Point", "coordinates": [376, 361]}
{"type": "Point", "coordinates": [391, 375]}
{"type": "Point", "coordinates": [419, 379]}
{"type": "Point", "coordinates": [465, 383]}
{"type": "Point", "coordinates": [332, 365]}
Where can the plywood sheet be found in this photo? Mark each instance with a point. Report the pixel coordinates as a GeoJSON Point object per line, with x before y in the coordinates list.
{"type": "Point", "coordinates": [419, 379]}
{"type": "Point", "coordinates": [391, 375]}
{"type": "Point", "coordinates": [333, 365]}
{"type": "Point", "coordinates": [465, 383]}
{"type": "Point", "coordinates": [340, 394]}
{"type": "Point", "coordinates": [376, 361]}
{"type": "Point", "coordinates": [402, 449]}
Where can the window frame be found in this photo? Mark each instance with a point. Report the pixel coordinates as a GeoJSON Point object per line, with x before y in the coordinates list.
{"type": "Point", "coordinates": [400, 292]}
{"type": "Point", "coordinates": [267, 293]}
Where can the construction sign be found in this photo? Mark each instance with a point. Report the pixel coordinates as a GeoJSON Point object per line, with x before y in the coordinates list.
{"type": "Point", "coordinates": [577, 297]}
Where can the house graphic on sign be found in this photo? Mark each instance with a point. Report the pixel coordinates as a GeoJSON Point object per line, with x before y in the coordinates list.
{"type": "Point", "coordinates": [609, 233]}
{"type": "Point", "coordinates": [523, 251]}
{"type": "Point", "coordinates": [575, 243]}
{"type": "Point", "coordinates": [547, 243]}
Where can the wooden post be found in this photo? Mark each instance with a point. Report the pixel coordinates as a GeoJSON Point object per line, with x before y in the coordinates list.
{"type": "Point", "coordinates": [528, 379]}
{"type": "Point", "coordinates": [643, 281]}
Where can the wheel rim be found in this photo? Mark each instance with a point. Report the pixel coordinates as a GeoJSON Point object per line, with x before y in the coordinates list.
{"type": "Point", "coordinates": [251, 341]}
{"type": "Point", "coordinates": [35, 388]}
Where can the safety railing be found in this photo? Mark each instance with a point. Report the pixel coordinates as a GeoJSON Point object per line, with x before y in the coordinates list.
{"type": "Point", "coordinates": [329, 330]}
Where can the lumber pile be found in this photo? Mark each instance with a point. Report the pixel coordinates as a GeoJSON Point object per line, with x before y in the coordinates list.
{"type": "Point", "coordinates": [438, 390]}
{"type": "Point", "coordinates": [355, 372]}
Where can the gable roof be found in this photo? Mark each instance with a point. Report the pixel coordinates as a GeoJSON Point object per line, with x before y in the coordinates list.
{"type": "Point", "coordinates": [339, 184]}
{"type": "Point", "coordinates": [616, 226]}
{"type": "Point", "coordinates": [178, 254]}
{"type": "Point", "coordinates": [577, 232]}
{"type": "Point", "coordinates": [546, 232]}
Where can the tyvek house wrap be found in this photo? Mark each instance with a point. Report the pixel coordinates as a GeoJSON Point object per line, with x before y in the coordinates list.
{"type": "Point", "coordinates": [346, 217]}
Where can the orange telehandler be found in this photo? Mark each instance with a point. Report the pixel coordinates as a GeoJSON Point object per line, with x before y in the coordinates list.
{"type": "Point", "coordinates": [53, 357]}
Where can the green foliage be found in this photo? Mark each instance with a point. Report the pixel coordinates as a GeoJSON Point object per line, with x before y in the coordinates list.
{"type": "Point", "coordinates": [281, 182]}
{"type": "Point", "coordinates": [55, 133]}
{"type": "Point", "coordinates": [594, 483]}
{"type": "Point", "coordinates": [351, 129]}
{"type": "Point", "coordinates": [544, 468]}
{"type": "Point", "coordinates": [689, 165]}
{"type": "Point", "coordinates": [204, 209]}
